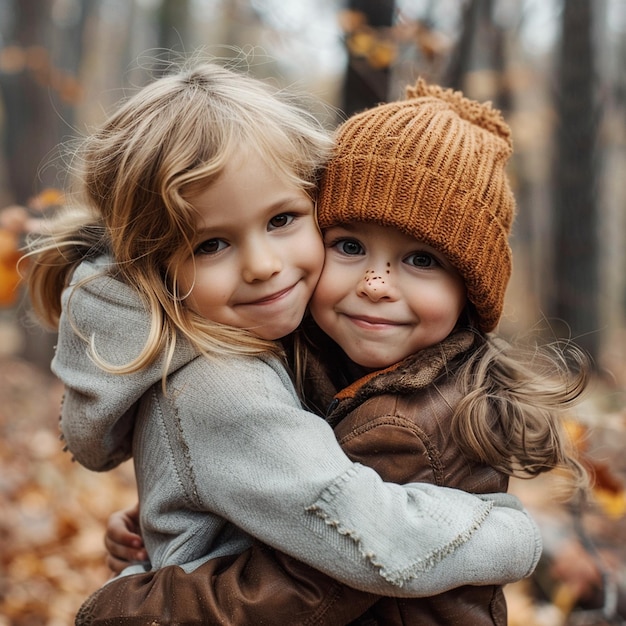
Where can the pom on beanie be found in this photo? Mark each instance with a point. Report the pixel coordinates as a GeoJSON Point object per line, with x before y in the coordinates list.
{"type": "Point", "coordinates": [433, 166]}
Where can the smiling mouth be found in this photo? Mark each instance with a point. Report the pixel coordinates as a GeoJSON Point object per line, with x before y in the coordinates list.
{"type": "Point", "coordinates": [372, 322]}
{"type": "Point", "coordinates": [272, 297]}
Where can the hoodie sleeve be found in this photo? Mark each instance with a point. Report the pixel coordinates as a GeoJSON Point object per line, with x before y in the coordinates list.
{"type": "Point", "coordinates": [243, 449]}
{"type": "Point", "coordinates": [99, 407]}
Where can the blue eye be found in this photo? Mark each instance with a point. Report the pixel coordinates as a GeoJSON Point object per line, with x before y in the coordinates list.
{"type": "Point", "coordinates": [211, 246]}
{"type": "Point", "coordinates": [350, 247]}
{"type": "Point", "coordinates": [421, 259]}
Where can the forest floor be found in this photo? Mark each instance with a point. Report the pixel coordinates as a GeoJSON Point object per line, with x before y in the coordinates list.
{"type": "Point", "coordinates": [53, 512]}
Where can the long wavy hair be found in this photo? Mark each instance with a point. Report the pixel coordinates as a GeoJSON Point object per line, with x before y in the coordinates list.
{"type": "Point", "coordinates": [136, 175]}
{"type": "Point", "coordinates": [516, 398]}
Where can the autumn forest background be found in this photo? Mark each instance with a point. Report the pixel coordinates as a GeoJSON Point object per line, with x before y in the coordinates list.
{"type": "Point", "coordinates": [557, 69]}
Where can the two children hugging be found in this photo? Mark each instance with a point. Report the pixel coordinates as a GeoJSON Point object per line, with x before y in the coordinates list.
{"type": "Point", "coordinates": [167, 350]}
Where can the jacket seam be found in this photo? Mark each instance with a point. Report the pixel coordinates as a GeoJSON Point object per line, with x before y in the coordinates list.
{"type": "Point", "coordinates": [432, 453]}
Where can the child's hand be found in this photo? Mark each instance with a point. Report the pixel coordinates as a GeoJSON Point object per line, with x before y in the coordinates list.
{"type": "Point", "coordinates": [123, 540]}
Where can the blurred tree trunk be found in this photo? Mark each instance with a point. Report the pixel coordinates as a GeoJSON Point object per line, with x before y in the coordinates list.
{"type": "Point", "coordinates": [28, 137]}
{"type": "Point", "coordinates": [30, 132]}
{"type": "Point", "coordinates": [460, 59]}
{"type": "Point", "coordinates": [576, 266]}
{"type": "Point", "coordinates": [173, 26]}
{"type": "Point", "coordinates": [366, 85]}
{"type": "Point", "coordinates": [39, 92]}
{"type": "Point", "coordinates": [481, 49]}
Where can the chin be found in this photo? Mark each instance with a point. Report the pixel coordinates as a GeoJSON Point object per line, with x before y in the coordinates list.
{"type": "Point", "coordinates": [380, 360]}
{"type": "Point", "coordinates": [279, 333]}
{"type": "Point", "coordinates": [372, 362]}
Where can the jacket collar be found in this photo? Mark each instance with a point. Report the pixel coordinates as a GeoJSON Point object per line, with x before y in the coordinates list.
{"type": "Point", "coordinates": [415, 372]}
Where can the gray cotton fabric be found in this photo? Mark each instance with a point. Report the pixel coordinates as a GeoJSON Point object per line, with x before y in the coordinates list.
{"type": "Point", "coordinates": [227, 453]}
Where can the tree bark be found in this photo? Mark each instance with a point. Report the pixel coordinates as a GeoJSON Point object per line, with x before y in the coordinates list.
{"type": "Point", "coordinates": [365, 86]}
{"type": "Point", "coordinates": [576, 266]}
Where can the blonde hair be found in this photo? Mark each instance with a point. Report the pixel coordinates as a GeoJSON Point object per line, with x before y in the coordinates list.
{"type": "Point", "coordinates": [137, 173]}
{"type": "Point", "coordinates": [515, 399]}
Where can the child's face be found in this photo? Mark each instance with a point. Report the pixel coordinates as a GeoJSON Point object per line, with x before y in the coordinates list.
{"type": "Point", "coordinates": [383, 295]}
{"type": "Point", "coordinates": [258, 251]}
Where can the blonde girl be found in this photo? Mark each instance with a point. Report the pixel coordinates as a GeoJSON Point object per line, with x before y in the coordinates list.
{"type": "Point", "coordinates": [196, 251]}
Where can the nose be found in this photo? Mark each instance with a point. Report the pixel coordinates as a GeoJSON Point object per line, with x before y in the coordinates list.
{"type": "Point", "coordinates": [377, 285]}
{"type": "Point", "coordinates": [260, 261]}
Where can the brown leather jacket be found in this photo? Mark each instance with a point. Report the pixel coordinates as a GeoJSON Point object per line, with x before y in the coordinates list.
{"type": "Point", "coordinates": [395, 421]}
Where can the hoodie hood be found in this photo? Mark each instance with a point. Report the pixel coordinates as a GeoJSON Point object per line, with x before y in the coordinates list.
{"type": "Point", "coordinates": [99, 407]}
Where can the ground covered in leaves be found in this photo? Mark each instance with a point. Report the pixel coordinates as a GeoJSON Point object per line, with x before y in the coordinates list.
{"type": "Point", "coordinates": [52, 510]}
{"type": "Point", "coordinates": [52, 513]}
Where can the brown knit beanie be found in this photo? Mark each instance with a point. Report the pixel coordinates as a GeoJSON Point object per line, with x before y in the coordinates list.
{"type": "Point", "coordinates": [432, 166]}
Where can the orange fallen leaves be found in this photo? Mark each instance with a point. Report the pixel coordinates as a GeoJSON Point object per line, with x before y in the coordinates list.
{"type": "Point", "coordinates": [9, 275]}
{"type": "Point", "coordinates": [53, 510]}
{"type": "Point", "coordinates": [607, 486]}
{"type": "Point", "coordinates": [15, 222]}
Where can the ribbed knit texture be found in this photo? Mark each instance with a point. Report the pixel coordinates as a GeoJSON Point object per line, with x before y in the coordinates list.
{"type": "Point", "coordinates": [433, 166]}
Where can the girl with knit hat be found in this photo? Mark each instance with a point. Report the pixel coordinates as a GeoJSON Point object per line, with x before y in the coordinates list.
{"type": "Point", "coordinates": [416, 208]}
{"type": "Point", "coordinates": [195, 252]}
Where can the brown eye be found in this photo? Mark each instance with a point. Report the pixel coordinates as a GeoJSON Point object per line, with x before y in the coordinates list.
{"type": "Point", "coordinates": [280, 221]}
{"type": "Point", "coordinates": [210, 246]}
